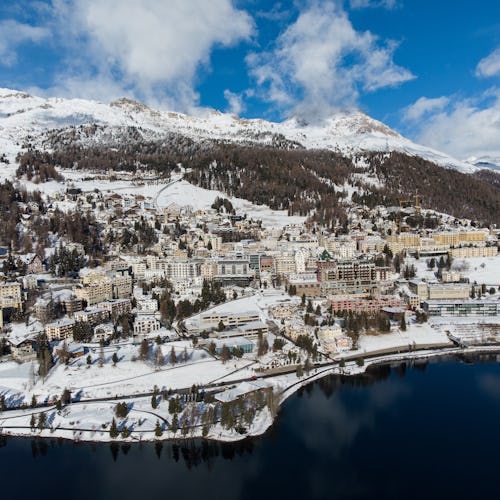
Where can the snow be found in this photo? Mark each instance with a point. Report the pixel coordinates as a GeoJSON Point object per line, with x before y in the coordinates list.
{"type": "Point", "coordinates": [260, 302]}
{"type": "Point", "coordinates": [184, 194]}
{"type": "Point", "coordinates": [476, 269]}
{"type": "Point", "coordinates": [480, 269]}
{"type": "Point", "coordinates": [349, 133]}
{"type": "Point", "coordinates": [420, 335]}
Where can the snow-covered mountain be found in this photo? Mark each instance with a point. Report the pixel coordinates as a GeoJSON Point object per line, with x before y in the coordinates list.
{"type": "Point", "coordinates": [26, 119]}
{"type": "Point", "coordinates": [481, 162]}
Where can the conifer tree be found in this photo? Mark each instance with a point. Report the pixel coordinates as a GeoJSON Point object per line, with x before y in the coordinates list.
{"type": "Point", "coordinates": [158, 429]}
{"type": "Point", "coordinates": [42, 420]}
{"type": "Point", "coordinates": [173, 356]}
{"type": "Point", "coordinates": [158, 357]}
{"type": "Point", "coordinates": [144, 350]}
{"type": "Point", "coordinates": [113, 430]}
{"type": "Point", "coordinates": [225, 354]}
{"type": "Point", "coordinates": [101, 355]}
{"type": "Point", "coordinates": [402, 325]}
{"type": "Point", "coordinates": [175, 423]}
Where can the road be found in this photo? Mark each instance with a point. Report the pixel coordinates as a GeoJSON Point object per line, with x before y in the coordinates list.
{"type": "Point", "coordinates": [166, 186]}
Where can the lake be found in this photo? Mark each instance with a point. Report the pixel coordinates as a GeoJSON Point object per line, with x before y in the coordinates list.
{"type": "Point", "coordinates": [404, 431]}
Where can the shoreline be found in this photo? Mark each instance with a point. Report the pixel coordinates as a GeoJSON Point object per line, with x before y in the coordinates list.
{"type": "Point", "coordinates": [263, 421]}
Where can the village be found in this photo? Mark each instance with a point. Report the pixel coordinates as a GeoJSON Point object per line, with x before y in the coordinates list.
{"type": "Point", "coordinates": [203, 313]}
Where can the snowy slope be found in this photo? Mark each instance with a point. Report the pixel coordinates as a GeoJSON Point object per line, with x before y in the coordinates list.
{"type": "Point", "coordinates": [490, 162]}
{"type": "Point", "coordinates": [24, 118]}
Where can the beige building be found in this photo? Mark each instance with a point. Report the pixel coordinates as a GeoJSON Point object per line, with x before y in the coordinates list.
{"type": "Point", "coordinates": [439, 291]}
{"type": "Point", "coordinates": [468, 252]}
{"type": "Point", "coordinates": [96, 292]}
{"type": "Point", "coordinates": [98, 287]}
{"type": "Point", "coordinates": [329, 332]}
{"type": "Point", "coordinates": [10, 295]}
{"type": "Point", "coordinates": [448, 291]}
{"type": "Point", "coordinates": [208, 270]}
{"type": "Point", "coordinates": [459, 237]}
{"type": "Point", "coordinates": [285, 263]}
{"type": "Point", "coordinates": [61, 329]}
{"type": "Point", "coordinates": [23, 350]}
{"type": "Point", "coordinates": [419, 288]}
{"type": "Point", "coordinates": [144, 325]}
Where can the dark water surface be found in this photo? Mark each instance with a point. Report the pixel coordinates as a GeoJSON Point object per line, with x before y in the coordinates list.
{"type": "Point", "coordinates": [422, 431]}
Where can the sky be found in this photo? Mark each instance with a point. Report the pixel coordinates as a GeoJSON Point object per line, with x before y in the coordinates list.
{"type": "Point", "coordinates": [429, 69]}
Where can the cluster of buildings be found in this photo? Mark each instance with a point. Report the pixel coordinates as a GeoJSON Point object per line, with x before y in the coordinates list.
{"type": "Point", "coordinates": [341, 273]}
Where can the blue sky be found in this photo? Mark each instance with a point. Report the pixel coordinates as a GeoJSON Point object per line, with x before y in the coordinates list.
{"type": "Point", "coordinates": [429, 69]}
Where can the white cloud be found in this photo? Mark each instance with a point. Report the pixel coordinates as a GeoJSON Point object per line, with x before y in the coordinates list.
{"type": "Point", "coordinates": [235, 102]}
{"type": "Point", "coordinates": [424, 106]}
{"type": "Point", "coordinates": [468, 127]}
{"type": "Point", "coordinates": [363, 4]}
{"type": "Point", "coordinates": [153, 48]}
{"type": "Point", "coordinates": [13, 34]}
{"type": "Point", "coordinates": [489, 66]}
{"type": "Point", "coordinates": [320, 62]}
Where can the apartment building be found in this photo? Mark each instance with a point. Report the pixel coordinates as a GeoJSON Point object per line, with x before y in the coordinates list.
{"type": "Point", "coordinates": [61, 329]}
{"type": "Point", "coordinates": [10, 295]}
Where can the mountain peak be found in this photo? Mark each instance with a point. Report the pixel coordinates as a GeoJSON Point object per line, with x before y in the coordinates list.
{"type": "Point", "coordinates": [9, 93]}
{"type": "Point", "coordinates": [130, 104]}
{"type": "Point", "coordinates": [349, 132]}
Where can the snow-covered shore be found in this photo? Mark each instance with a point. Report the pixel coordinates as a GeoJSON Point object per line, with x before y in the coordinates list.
{"type": "Point", "coordinates": [87, 421]}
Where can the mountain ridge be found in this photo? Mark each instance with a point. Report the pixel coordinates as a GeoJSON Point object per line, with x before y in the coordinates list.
{"type": "Point", "coordinates": [349, 133]}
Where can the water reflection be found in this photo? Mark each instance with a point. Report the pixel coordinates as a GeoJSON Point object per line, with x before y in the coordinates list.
{"type": "Point", "coordinates": [341, 437]}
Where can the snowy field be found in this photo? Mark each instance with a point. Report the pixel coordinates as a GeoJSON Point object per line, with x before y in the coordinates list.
{"type": "Point", "coordinates": [127, 378]}
{"type": "Point", "coordinates": [480, 269]}
{"type": "Point", "coordinates": [183, 193]}
{"type": "Point", "coordinates": [163, 194]}
{"type": "Point", "coordinates": [419, 335]}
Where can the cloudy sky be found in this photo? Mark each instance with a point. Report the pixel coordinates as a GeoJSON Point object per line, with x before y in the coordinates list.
{"type": "Point", "coordinates": [430, 69]}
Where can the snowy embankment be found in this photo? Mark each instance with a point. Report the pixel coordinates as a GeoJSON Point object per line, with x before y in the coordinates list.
{"type": "Point", "coordinates": [133, 381]}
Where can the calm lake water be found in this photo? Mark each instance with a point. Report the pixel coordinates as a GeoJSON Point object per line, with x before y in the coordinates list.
{"type": "Point", "coordinates": [430, 430]}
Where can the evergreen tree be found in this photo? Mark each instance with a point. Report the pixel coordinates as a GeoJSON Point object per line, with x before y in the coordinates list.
{"type": "Point", "coordinates": [175, 423]}
{"type": "Point", "coordinates": [262, 345]}
{"type": "Point", "coordinates": [402, 324]}
{"type": "Point", "coordinates": [158, 357]}
{"type": "Point", "coordinates": [33, 421]}
{"type": "Point", "coordinates": [307, 366]}
{"type": "Point", "coordinates": [158, 429]}
{"type": "Point", "coordinates": [172, 357]}
{"type": "Point", "coordinates": [113, 430]}
{"type": "Point", "coordinates": [114, 358]}
{"type": "Point", "coordinates": [212, 348]}
{"type": "Point", "coordinates": [33, 401]}
{"type": "Point", "coordinates": [101, 355]}
{"type": "Point", "coordinates": [225, 354]}
{"type": "Point", "coordinates": [144, 350]}
{"type": "Point", "coordinates": [154, 402]}
{"type": "Point", "coordinates": [121, 410]}
{"type": "Point", "coordinates": [66, 397]}
{"type": "Point", "coordinates": [42, 420]}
